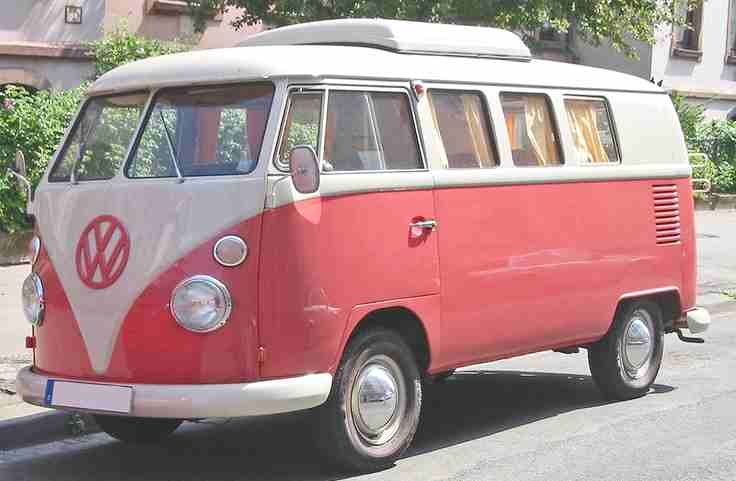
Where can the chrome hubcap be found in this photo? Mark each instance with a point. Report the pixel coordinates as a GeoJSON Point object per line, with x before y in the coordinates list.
{"type": "Point", "coordinates": [637, 344]}
{"type": "Point", "coordinates": [377, 400]}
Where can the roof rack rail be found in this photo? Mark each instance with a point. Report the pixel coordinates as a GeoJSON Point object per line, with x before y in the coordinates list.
{"type": "Point", "coordinates": [401, 37]}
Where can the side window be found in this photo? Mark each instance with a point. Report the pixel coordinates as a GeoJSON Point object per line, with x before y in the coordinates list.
{"type": "Point", "coordinates": [370, 131]}
{"type": "Point", "coordinates": [302, 124]}
{"type": "Point", "coordinates": [590, 122]}
{"type": "Point", "coordinates": [532, 133]}
{"type": "Point", "coordinates": [462, 121]}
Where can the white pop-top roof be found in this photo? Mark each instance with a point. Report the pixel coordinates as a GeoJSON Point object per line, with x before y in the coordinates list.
{"type": "Point", "coordinates": [400, 36]}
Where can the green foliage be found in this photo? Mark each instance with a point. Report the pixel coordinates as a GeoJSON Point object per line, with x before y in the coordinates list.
{"type": "Point", "coordinates": [691, 117]}
{"type": "Point", "coordinates": [717, 140]}
{"type": "Point", "coordinates": [121, 46]}
{"type": "Point", "coordinates": [613, 21]}
{"type": "Point", "coordinates": [33, 123]}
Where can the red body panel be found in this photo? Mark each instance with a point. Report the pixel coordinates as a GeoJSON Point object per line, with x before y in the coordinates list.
{"type": "Point", "coordinates": [531, 267]}
{"type": "Point", "coordinates": [323, 257]}
{"type": "Point", "coordinates": [151, 347]}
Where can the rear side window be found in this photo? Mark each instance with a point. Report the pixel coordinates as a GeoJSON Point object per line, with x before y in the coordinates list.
{"type": "Point", "coordinates": [208, 130]}
{"type": "Point", "coordinates": [370, 131]}
{"type": "Point", "coordinates": [591, 126]}
{"type": "Point", "coordinates": [532, 133]}
{"type": "Point", "coordinates": [97, 146]}
{"type": "Point", "coordinates": [462, 121]}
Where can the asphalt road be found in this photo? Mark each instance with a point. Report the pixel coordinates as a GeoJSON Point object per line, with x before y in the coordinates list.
{"type": "Point", "coordinates": [537, 417]}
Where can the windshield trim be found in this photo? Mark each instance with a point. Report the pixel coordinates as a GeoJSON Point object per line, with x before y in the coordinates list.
{"type": "Point", "coordinates": [68, 137]}
{"type": "Point", "coordinates": [150, 106]}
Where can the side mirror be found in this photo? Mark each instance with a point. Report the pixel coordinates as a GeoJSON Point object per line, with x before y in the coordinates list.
{"type": "Point", "coordinates": [20, 163]}
{"type": "Point", "coordinates": [304, 169]}
{"type": "Point", "coordinates": [20, 171]}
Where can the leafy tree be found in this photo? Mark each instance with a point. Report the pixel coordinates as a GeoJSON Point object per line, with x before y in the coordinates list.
{"type": "Point", "coordinates": [596, 21]}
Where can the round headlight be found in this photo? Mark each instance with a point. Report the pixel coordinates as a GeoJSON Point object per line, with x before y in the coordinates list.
{"type": "Point", "coordinates": [201, 304]}
{"type": "Point", "coordinates": [33, 302]}
{"type": "Point", "coordinates": [34, 248]}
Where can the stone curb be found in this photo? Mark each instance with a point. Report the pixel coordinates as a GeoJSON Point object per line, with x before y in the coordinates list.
{"type": "Point", "coordinates": [41, 428]}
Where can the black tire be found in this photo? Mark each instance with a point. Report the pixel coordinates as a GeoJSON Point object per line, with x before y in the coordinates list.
{"type": "Point", "coordinates": [137, 430]}
{"type": "Point", "coordinates": [613, 373]}
{"type": "Point", "coordinates": [341, 439]}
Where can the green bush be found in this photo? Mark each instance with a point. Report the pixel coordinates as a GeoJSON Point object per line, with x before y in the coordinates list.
{"type": "Point", "coordinates": [717, 140]}
{"type": "Point", "coordinates": [691, 117]}
{"type": "Point", "coordinates": [121, 46]}
{"type": "Point", "coordinates": [35, 122]}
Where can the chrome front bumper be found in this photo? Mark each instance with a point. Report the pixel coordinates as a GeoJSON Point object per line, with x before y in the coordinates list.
{"type": "Point", "coordinates": [202, 400]}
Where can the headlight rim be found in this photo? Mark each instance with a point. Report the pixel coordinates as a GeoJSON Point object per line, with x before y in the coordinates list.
{"type": "Point", "coordinates": [34, 248]}
{"type": "Point", "coordinates": [41, 294]}
{"type": "Point", "coordinates": [221, 287]}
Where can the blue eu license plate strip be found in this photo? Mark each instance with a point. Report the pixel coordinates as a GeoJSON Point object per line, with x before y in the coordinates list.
{"type": "Point", "coordinates": [49, 395]}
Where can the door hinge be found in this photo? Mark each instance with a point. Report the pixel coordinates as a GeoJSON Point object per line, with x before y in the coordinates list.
{"type": "Point", "coordinates": [261, 354]}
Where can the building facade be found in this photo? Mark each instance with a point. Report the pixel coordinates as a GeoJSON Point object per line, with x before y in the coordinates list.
{"type": "Point", "coordinates": [697, 62]}
{"type": "Point", "coordinates": [42, 41]}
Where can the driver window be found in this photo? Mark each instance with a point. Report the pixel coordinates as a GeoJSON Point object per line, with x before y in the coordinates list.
{"type": "Point", "coordinates": [370, 131]}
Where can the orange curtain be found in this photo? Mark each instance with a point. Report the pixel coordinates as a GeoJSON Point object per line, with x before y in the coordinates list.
{"type": "Point", "coordinates": [474, 117]}
{"type": "Point", "coordinates": [208, 129]}
{"type": "Point", "coordinates": [584, 124]}
{"type": "Point", "coordinates": [539, 130]}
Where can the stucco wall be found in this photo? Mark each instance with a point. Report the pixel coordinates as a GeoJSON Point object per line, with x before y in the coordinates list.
{"type": "Point", "coordinates": [709, 81]}
{"type": "Point", "coordinates": [39, 24]}
{"type": "Point", "coordinates": [604, 56]}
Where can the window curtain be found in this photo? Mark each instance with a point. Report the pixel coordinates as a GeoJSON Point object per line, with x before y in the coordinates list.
{"type": "Point", "coordinates": [539, 130]}
{"type": "Point", "coordinates": [443, 153]}
{"type": "Point", "coordinates": [584, 125]}
{"type": "Point", "coordinates": [474, 118]}
{"type": "Point", "coordinates": [208, 129]}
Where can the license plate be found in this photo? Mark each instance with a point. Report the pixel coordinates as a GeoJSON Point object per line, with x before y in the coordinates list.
{"type": "Point", "coordinates": [98, 397]}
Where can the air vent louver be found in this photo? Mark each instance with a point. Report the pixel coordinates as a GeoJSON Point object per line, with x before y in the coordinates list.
{"type": "Point", "coordinates": [666, 214]}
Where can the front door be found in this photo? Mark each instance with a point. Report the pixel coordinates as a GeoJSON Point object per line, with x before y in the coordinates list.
{"type": "Point", "coordinates": [365, 237]}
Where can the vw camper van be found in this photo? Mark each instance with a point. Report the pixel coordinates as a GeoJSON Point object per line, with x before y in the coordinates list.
{"type": "Point", "coordinates": [333, 214]}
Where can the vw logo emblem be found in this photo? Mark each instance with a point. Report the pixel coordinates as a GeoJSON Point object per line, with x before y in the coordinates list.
{"type": "Point", "coordinates": [102, 252]}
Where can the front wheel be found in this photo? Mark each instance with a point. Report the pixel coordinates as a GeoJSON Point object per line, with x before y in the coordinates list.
{"type": "Point", "coordinates": [373, 409]}
{"type": "Point", "coordinates": [137, 430]}
{"type": "Point", "coordinates": [625, 363]}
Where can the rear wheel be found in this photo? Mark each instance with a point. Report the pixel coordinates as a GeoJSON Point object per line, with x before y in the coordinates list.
{"type": "Point", "coordinates": [625, 363]}
{"type": "Point", "coordinates": [373, 410]}
{"type": "Point", "coordinates": [137, 430]}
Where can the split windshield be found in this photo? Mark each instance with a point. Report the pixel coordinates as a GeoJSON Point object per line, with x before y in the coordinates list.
{"type": "Point", "coordinates": [188, 131]}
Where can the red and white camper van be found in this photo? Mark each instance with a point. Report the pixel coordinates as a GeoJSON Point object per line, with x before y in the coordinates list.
{"type": "Point", "coordinates": [332, 213]}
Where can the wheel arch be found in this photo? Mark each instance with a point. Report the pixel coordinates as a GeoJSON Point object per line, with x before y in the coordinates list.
{"type": "Point", "coordinates": [668, 299]}
{"type": "Point", "coordinates": [414, 321]}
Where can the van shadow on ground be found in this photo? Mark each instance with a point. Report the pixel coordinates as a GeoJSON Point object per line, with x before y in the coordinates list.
{"type": "Point", "coordinates": [470, 405]}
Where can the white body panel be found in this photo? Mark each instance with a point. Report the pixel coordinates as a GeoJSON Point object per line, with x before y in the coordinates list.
{"type": "Point", "coordinates": [164, 221]}
{"type": "Point", "coordinates": [400, 36]}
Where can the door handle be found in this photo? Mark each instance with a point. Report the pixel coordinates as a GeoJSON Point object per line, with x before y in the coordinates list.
{"type": "Point", "coordinates": [430, 224]}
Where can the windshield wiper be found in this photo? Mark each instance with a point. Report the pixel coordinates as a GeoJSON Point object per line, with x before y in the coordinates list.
{"type": "Point", "coordinates": [172, 150]}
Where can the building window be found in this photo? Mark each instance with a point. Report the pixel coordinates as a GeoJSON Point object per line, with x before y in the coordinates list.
{"type": "Point", "coordinates": [731, 39]}
{"type": "Point", "coordinates": [687, 39]}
